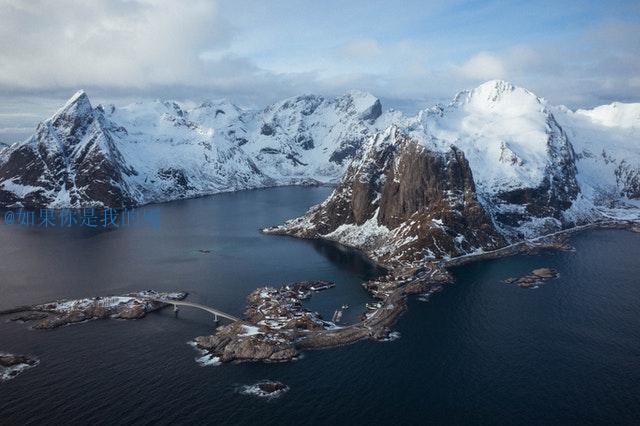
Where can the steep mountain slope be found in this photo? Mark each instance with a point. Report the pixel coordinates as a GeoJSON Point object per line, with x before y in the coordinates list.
{"type": "Point", "coordinates": [312, 137]}
{"type": "Point", "coordinates": [175, 157]}
{"type": "Point", "coordinates": [158, 151]}
{"type": "Point", "coordinates": [606, 140]}
{"type": "Point", "coordinates": [71, 160]}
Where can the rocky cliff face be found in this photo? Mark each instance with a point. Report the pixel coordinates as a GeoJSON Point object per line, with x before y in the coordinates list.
{"type": "Point", "coordinates": [71, 160]}
{"type": "Point", "coordinates": [403, 202]}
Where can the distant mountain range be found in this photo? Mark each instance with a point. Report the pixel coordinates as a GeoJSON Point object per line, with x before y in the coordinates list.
{"type": "Point", "coordinates": [158, 151]}
{"type": "Point", "coordinates": [497, 164]}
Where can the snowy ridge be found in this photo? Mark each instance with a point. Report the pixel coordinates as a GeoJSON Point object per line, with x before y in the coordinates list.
{"type": "Point", "coordinates": [539, 167]}
{"type": "Point", "coordinates": [614, 115]}
{"type": "Point", "coordinates": [158, 151]}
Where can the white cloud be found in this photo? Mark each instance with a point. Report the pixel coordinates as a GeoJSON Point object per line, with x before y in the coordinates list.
{"type": "Point", "coordinates": [112, 43]}
{"type": "Point", "coordinates": [483, 66]}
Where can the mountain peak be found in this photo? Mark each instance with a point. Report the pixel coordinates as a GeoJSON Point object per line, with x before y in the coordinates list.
{"type": "Point", "coordinates": [496, 90]}
{"type": "Point", "coordinates": [497, 94]}
{"type": "Point", "coordinates": [366, 105]}
{"type": "Point", "coordinates": [78, 104]}
{"type": "Point", "coordinates": [497, 85]}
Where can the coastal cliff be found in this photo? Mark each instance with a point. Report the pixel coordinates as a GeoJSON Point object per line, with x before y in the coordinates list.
{"type": "Point", "coordinates": [402, 203]}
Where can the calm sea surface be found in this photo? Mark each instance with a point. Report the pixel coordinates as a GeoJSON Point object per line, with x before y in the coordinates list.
{"type": "Point", "coordinates": [481, 352]}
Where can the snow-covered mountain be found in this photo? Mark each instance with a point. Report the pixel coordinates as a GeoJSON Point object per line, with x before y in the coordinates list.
{"type": "Point", "coordinates": [522, 161]}
{"type": "Point", "coordinates": [159, 151]}
{"type": "Point", "coordinates": [496, 165]}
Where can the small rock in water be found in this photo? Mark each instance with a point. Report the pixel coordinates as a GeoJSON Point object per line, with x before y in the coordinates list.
{"type": "Point", "coordinates": [394, 335]}
{"type": "Point", "coordinates": [12, 365]}
{"type": "Point", "coordinates": [544, 273]}
{"type": "Point", "coordinates": [265, 389]}
{"type": "Point", "coordinates": [534, 278]}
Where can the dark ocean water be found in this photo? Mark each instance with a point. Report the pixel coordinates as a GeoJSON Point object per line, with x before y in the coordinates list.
{"type": "Point", "coordinates": [481, 352]}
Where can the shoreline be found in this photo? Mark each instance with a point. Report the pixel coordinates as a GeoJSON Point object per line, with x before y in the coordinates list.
{"type": "Point", "coordinates": [401, 281]}
{"type": "Point", "coordinates": [276, 327]}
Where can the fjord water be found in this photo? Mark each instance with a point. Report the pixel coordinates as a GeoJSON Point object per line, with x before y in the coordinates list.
{"type": "Point", "coordinates": [480, 352]}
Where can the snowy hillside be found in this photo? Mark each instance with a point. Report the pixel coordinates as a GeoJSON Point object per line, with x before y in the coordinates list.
{"type": "Point", "coordinates": [606, 141]}
{"type": "Point", "coordinates": [159, 151]}
{"type": "Point", "coordinates": [520, 157]}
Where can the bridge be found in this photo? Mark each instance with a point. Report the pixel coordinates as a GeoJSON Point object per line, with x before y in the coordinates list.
{"type": "Point", "coordinates": [215, 312]}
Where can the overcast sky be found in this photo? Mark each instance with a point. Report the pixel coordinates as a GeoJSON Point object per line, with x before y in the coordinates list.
{"type": "Point", "coordinates": [578, 53]}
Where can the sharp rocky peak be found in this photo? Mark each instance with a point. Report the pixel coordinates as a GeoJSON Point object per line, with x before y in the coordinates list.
{"type": "Point", "coordinates": [77, 105]}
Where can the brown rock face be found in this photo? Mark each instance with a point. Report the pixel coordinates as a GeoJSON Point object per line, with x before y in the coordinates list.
{"type": "Point", "coordinates": [423, 204]}
{"type": "Point", "coordinates": [135, 311]}
{"type": "Point", "coordinates": [229, 344]}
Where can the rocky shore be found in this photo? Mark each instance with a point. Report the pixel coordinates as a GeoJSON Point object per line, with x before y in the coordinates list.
{"type": "Point", "coordinates": [63, 312]}
{"type": "Point", "coordinates": [274, 321]}
{"type": "Point", "coordinates": [12, 365]}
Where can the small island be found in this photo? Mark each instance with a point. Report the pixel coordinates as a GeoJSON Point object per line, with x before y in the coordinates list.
{"type": "Point", "coordinates": [274, 320]}
{"type": "Point", "coordinates": [534, 278]}
{"type": "Point", "coordinates": [51, 315]}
